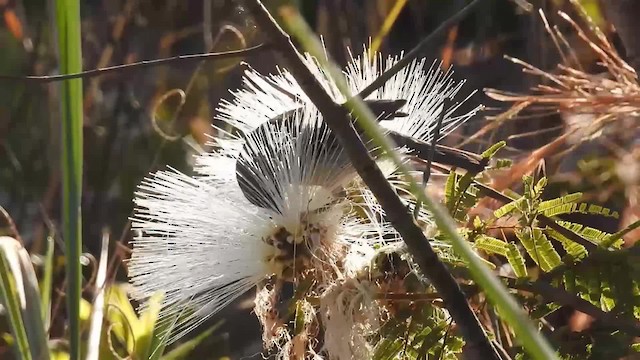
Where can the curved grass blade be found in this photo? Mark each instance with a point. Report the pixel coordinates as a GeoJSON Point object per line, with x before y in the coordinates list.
{"type": "Point", "coordinates": [21, 296]}
{"type": "Point", "coordinates": [11, 299]}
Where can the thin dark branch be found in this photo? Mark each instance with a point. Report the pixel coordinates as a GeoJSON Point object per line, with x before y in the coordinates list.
{"type": "Point", "coordinates": [419, 49]}
{"type": "Point", "coordinates": [426, 174]}
{"type": "Point", "coordinates": [562, 297]}
{"type": "Point", "coordinates": [337, 118]}
{"type": "Point", "coordinates": [139, 65]}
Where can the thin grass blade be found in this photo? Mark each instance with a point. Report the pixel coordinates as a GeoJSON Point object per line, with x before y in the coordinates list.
{"type": "Point", "coordinates": [67, 20]}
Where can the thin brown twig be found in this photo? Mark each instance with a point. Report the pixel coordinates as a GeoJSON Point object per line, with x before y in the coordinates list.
{"type": "Point", "coordinates": [140, 64]}
{"type": "Point", "coordinates": [337, 118]}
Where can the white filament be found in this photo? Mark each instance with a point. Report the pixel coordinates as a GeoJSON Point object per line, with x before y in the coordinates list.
{"type": "Point", "coordinates": [263, 97]}
{"type": "Point", "coordinates": [201, 242]}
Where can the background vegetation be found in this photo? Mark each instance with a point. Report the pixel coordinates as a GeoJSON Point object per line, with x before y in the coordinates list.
{"type": "Point", "coordinates": [135, 121]}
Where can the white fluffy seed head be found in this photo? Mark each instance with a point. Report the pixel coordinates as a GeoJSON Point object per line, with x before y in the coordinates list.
{"type": "Point", "coordinates": [197, 244]}
{"type": "Point", "coordinates": [263, 97]}
{"type": "Point", "coordinates": [200, 241]}
{"type": "Point", "coordinates": [202, 244]}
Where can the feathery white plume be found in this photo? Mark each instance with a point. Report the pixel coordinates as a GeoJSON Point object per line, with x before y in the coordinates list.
{"type": "Point", "coordinates": [263, 97]}
{"type": "Point", "coordinates": [203, 244]}
{"type": "Point", "coordinates": [205, 240]}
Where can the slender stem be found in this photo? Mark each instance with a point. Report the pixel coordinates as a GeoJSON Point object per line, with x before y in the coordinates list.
{"type": "Point", "coordinates": [139, 65]}
{"type": "Point", "coordinates": [426, 175]}
{"type": "Point", "coordinates": [11, 224]}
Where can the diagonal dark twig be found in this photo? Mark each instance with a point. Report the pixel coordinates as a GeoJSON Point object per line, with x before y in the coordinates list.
{"type": "Point", "coordinates": [138, 65]}
{"type": "Point", "coordinates": [426, 174]}
{"type": "Point", "coordinates": [337, 117]}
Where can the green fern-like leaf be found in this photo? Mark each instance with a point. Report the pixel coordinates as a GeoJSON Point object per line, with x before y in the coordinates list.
{"type": "Point", "coordinates": [567, 199]}
{"type": "Point", "coordinates": [539, 188]}
{"type": "Point", "coordinates": [594, 235]}
{"type": "Point", "coordinates": [574, 250]}
{"type": "Point", "coordinates": [502, 164]}
{"type": "Point", "coordinates": [607, 300]}
{"type": "Point", "coordinates": [516, 260]}
{"type": "Point", "coordinates": [588, 285]}
{"type": "Point", "coordinates": [581, 208]}
{"type": "Point", "coordinates": [490, 152]}
{"type": "Point", "coordinates": [509, 208]}
{"type": "Point", "coordinates": [492, 245]}
{"type": "Point", "coordinates": [387, 349]}
{"type": "Point", "coordinates": [539, 248]}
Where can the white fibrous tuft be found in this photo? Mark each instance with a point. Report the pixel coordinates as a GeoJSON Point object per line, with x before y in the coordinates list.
{"type": "Point", "coordinates": [278, 201]}
{"type": "Point", "coordinates": [203, 241]}
{"type": "Point", "coordinates": [199, 244]}
{"type": "Point", "coordinates": [424, 87]}
{"type": "Point", "coordinates": [350, 315]}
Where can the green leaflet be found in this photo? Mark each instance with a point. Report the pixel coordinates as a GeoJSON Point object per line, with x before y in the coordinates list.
{"type": "Point", "coordinates": [509, 207]}
{"type": "Point", "coordinates": [502, 163]}
{"type": "Point", "coordinates": [567, 199]}
{"type": "Point", "coordinates": [460, 194]}
{"type": "Point", "coordinates": [388, 348]}
{"type": "Point", "coordinates": [450, 189]}
{"type": "Point", "coordinates": [491, 151]}
{"type": "Point", "coordinates": [607, 300]}
{"type": "Point", "coordinates": [417, 333]}
{"type": "Point", "coordinates": [492, 245]}
{"type": "Point", "coordinates": [299, 323]}
{"type": "Point", "coordinates": [539, 248]}
{"type": "Point", "coordinates": [574, 250]}
{"type": "Point", "coordinates": [569, 280]}
{"type": "Point", "coordinates": [516, 261]}
{"type": "Point", "coordinates": [594, 235]}
{"type": "Point", "coordinates": [581, 208]}
{"type": "Point", "coordinates": [538, 188]}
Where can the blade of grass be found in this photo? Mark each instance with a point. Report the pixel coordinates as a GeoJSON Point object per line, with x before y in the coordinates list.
{"type": "Point", "coordinates": [97, 313]}
{"type": "Point", "coordinates": [67, 19]}
{"type": "Point", "coordinates": [31, 315]}
{"type": "Point", "coordinates": [184, 350]}
{"type": "Point", "coordinates": [532, 341]}
{"type": "Point", "coordinates": [47, 278]}
{"type": "Point", "coordinates": [22, 285]}
{"type": "Point", "coordinates": [11, 298]}
{"type": "Point", "coordinates": [386, 26]}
